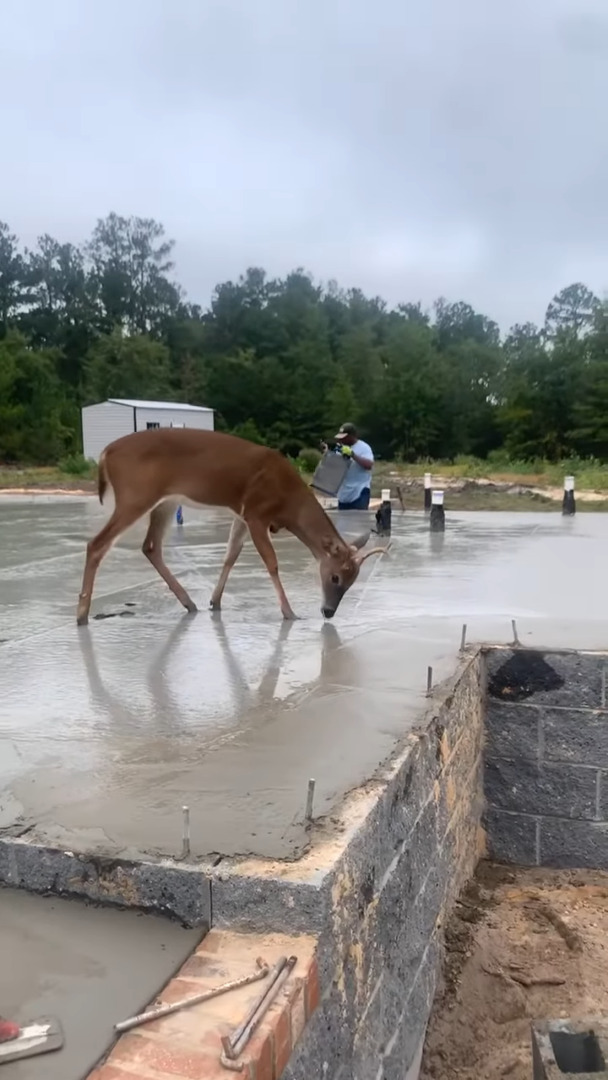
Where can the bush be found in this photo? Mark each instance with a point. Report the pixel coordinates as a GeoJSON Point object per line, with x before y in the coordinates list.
{"type": "Point", "coordinates": [309, 458]}
{"type": "Point", "coordinates": [76, 465]}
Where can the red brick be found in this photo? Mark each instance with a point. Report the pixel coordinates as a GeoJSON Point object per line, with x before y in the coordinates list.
{"type": "Point", "coordinates": [178, 989]}
{"type": "Point", "coordinates": [313, 989]}
{"type": "Point", "coordinates": [282, 1042]}
{"type": "Point", "coordinates": [298, 1014]}
{"type": "Point", "coordinates": [260, 1056]}
{"type": "Point", "coordinates": [111, 1072]}
{"type": "Point", "coordinates": [135, 1050]}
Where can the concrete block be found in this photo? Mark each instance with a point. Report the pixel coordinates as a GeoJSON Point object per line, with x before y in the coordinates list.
{"type": "Point", "coordinates": [548, 678]}
{"type": "Point", "coordinates": [265, 904]}
{"type": "Point", "coordinates": [368, 1046]}
{"type": "Point", "coordinates": [512, 731]}
{"type": "Point", "coordinates": [326, 1047]}
{"type": "Point", "coordinates": [565, 1047]}
{"type": "Point", "coordinates": [573, 844]}
{"type": "Point", "coordinates": [550, 789]}
{"type": "Point", "coordinates": [512, 838]}
{"type": "Point", "coordinates": [578, 736]}
{"type": "Point", "coordinates": [182, 892]}
{"type": "Point", "coordinates": [403, 1047]}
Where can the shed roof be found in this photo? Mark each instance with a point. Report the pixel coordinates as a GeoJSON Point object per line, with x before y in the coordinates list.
{"type": "Point", "coordinates": [175, 405]}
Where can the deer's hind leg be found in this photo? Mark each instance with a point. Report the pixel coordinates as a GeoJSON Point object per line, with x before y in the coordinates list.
{"type": "Point", "coordinates": [152, 548]}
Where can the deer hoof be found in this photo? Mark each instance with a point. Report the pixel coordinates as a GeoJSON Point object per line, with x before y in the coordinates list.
{"type": "Point", "coordinates": [82, 620]}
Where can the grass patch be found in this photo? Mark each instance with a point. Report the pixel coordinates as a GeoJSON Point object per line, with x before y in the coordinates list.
{"type": "Point", "coordinates": [43, 477]}
{"type": "Point", "coordinates": [589, 474]}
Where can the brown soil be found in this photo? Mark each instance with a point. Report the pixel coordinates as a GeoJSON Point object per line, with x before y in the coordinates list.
{"type": "Point", "coordinates": [522, 945]}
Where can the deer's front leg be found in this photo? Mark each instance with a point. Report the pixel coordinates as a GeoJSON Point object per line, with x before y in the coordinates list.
{"type": "Point", "coordinates": [261, 539]}
{"type": "Point", "coordinates": [238, 532]}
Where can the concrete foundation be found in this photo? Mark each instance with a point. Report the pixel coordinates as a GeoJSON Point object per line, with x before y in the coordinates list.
{"type": "Point", "coordinates": [106, 733]}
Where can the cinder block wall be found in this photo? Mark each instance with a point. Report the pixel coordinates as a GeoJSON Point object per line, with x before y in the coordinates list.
{"type": "Point", "coordinates": [388, 899]}
{"type": "Point", "coordinates": [546, 758]}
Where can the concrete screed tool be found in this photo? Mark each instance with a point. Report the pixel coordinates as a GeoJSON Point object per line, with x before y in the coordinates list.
{"type": "Point", "coordinates": [35, 1037]}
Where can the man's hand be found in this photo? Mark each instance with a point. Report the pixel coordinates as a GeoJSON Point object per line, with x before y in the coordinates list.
{"type": "Point", "coordinates": [347, 451]}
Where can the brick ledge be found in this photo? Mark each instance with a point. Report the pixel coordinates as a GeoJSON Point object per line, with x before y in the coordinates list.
{"type": "Point", "coordinates": [187, 1045]}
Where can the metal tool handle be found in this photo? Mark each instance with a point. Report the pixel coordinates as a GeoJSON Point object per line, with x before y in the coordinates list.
{"type": "Point", "coordinates": [166, 1010]}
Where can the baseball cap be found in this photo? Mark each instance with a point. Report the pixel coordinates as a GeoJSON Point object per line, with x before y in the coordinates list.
{"type": "Point", "coordinates": [346, 429]}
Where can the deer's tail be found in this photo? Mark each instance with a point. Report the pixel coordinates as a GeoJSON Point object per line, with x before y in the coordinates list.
{"type": "Point", "coordinates": [102, 477]}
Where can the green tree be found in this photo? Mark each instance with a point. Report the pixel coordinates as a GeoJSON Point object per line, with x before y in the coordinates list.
{"type": "Point", "coordinates": [573, 309]}
{"type": "Point", "coordinates": [127, 366]}
{"type": "Point", "coordinates": [12, 277]}
{"type": "Point", "coordinates": [130, 261]}
{"type": "Point", "coordinates": [35, 423]}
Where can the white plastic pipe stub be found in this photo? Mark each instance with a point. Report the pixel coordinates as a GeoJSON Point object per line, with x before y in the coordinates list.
{"type": "Point", "coordinates": [427, 479]}
{"type": "Point", "coordinates": [386, 494]}
{"type": "Point", "coordinates": [437, 498]}
{"type": "Point", "coordinates": [569, 483]}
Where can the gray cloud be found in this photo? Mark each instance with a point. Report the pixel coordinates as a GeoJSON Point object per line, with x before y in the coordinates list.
{"type": "Point", "coordinates": [413, 149]}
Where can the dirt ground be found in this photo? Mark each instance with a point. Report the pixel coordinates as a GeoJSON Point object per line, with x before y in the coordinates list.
{"type": "Point", "coordinates": [522, 945]}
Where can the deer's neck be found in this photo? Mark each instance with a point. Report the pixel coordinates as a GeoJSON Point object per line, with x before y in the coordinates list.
{"type": "Point", "coordinates": [312, 526]}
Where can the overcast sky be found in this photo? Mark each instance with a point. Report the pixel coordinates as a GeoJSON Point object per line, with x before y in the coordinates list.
{"type": "Point", "coordinates": [410, 147]}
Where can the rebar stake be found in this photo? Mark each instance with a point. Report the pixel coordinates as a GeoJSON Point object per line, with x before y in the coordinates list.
{"type": "Point", "coordinates": [429, 681]}
{"type": "Point", "coordinates": [516, 640]}
{"type": "Point", "coordinates": [309, 799]}
{"type": "Point", "coordinates": [186, 832]}
{"type": "Point", "coordinates": [463, 639]}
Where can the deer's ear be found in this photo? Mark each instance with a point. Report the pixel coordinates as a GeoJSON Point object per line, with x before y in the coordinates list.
{"type": "Point", "coordinates": [360, 541]}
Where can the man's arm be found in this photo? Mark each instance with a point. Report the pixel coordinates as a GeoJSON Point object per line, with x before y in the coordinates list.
{"type": "Point", "coordinates": [365, 463]}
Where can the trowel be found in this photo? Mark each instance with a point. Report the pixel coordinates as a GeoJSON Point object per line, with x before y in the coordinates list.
{"type": "Point", "coordinates": [35, 1037]}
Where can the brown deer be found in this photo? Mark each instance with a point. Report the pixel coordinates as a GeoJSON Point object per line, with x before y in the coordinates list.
{"type": "Point", "coordinates": [152, 472]}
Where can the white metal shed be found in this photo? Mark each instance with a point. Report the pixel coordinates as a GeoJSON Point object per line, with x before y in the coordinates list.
{"type": "Point", "coordinates": [110, 419]}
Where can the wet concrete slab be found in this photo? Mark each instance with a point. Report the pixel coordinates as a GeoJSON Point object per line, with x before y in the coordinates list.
{"type": "Point", "coordinates": [88, 967]}
{"type": "Point", "coordinates": [106, 731]}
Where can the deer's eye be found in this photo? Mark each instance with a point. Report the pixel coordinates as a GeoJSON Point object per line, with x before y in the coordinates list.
{"type": "Point", "coordinates": [335, 580]}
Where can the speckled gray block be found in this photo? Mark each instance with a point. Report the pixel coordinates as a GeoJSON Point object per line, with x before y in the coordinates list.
{"type": "Point", "coordinates": [546, 758]}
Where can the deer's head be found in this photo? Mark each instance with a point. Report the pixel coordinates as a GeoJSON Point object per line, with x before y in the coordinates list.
{"type": "Point", "coordinates": [339, 566]}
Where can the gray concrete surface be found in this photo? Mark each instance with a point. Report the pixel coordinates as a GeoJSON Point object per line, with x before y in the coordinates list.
{"type": "Point", "coordinates": [106, 731]}
{"type": "Point", "coordinates": [88, 967]}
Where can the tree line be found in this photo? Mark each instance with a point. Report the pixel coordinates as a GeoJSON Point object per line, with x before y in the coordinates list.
{"type": "Point", "coordinates": [286, 361]}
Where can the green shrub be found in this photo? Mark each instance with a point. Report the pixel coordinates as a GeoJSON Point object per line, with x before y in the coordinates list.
{"type": "Point", "coordinates": [309, 458]}
{"type": "Point", "coordinates": [76, 465]}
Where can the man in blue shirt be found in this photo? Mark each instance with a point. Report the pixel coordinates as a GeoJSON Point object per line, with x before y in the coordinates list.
{"type": "Point", "coordinates": [355, 490]}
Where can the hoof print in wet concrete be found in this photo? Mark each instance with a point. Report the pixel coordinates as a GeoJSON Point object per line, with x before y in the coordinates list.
{"type": "Point", "coordinates": [113, 614]}
{"type": "Point", "coordinates": [563, 1047]}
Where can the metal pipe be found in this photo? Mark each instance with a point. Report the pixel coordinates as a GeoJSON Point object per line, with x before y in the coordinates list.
{"type": "Point", "coordinates": [235, 1044]}
{"type": "Point", "coordinates": [184, 1003]}
{"type": "Point", "coordinates": [231, 1040]}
